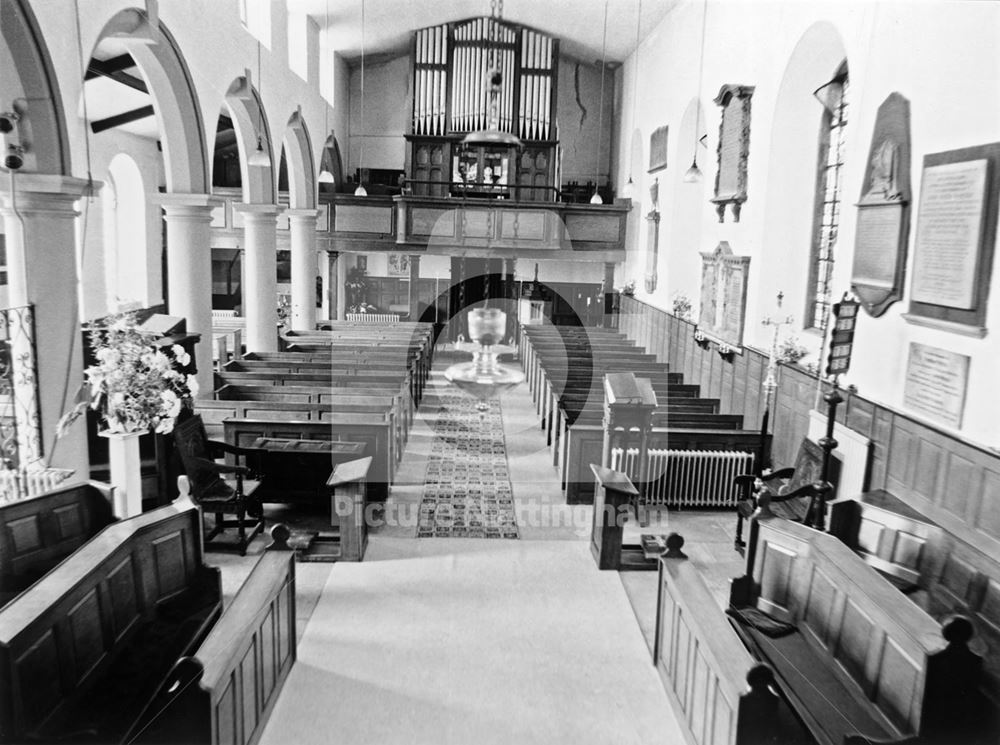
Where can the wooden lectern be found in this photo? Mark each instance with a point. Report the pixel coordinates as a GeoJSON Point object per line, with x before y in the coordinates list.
{"type": "Point", "coordinates": [629, 403]}
{"type": "Point", "coordinates": [612, 495]}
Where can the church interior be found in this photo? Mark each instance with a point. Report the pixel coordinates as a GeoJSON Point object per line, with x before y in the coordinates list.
{"type": "Point", "coordinates": [499, 371]}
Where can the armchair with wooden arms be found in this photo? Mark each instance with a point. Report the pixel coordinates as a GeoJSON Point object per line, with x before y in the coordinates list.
{"type": "Point", "coordinates": [232, 494]}
{"type": "Point", "coordinates": [790, 491]}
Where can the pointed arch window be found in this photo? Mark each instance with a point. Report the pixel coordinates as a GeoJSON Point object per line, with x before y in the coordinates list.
{"type": "Point", "coordinates": [826, 225]}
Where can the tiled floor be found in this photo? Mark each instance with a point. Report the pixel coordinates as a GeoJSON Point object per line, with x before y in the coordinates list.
{"type": "Point", "coordinates": [451, 640]}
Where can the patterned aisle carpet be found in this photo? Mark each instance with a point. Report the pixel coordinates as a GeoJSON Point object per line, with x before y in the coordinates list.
{"type": "Point", "coordinates": [467, 491]}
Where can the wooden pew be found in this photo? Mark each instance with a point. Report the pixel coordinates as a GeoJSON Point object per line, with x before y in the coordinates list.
{"type": "Point", "coordinates": [889, 669]}
{"type": "Point", "coordinates": [720, 694]}
{"type": "Point", "coordinates": [367, 428]}
{"type": "Point", "coordinates": [38, 533]}
{"type": "Point", "coordinates": [225, 690]}
{"type": "Point", "coordinates": [83, 650]}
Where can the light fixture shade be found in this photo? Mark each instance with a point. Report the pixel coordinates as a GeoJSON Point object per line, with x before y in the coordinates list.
{"type": "Point", "coordinates": [259, 157]}
{"type": "Point", "coordinates": [361, 191]}
{"type": "Point", "coordinates": [693, 174]}
{"type": "Point", "coordinates": [627, 189]}
{"type": "Point", "coordinates": [596, 199]}
{"type": "Point", "coordinates": [325, 177]}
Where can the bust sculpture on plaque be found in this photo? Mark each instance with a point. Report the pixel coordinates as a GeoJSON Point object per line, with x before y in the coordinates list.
{"type": "Point", "coordinates": [733, 150]}
{"type": "Point", "coordinates": [883, 210]}
{"type": "Point", "coordinates": [723, 297]}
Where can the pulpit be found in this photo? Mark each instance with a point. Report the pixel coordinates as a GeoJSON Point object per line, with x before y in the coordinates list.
{"type": "Point", "coordinates": [629, 403]}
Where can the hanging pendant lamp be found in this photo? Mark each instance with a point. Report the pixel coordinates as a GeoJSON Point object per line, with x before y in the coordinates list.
{"type": "Point", "coordinates": [259, 157]}
{"type": "Point", "coordinates": [361, 191]}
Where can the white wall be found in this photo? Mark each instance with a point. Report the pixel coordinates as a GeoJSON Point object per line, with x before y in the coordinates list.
{"type": "Point", "coordinates": [941, 56]}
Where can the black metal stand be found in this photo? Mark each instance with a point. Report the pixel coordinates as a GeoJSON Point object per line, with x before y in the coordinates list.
{"type": "Point", "coordinates": [816, 516]}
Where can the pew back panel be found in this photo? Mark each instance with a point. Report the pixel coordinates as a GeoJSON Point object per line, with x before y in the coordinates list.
{"type": "Point", "coordinates": [62, 638]}
{"type": "Point", "coordinates": [38, 533]}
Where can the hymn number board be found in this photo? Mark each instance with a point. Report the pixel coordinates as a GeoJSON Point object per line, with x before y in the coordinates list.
{"type": "Point", "coordinates": [845, 315]}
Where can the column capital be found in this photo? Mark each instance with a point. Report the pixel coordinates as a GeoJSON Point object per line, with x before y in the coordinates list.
{"type": "Point", "coordinates": [45, 193]}
{"type": "Point", "coordinates": [302, 213]}
{"type": "Point", "coordinates": [175, 199]}
{"type": "Point", "coordinates": [258, 211]}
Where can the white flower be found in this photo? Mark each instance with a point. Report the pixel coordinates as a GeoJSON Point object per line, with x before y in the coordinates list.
{"type": "Point", "coordinates": [171, 403]}
{"type": "Point", "coordinates": [180, 356]}
{"type": "Point", "coordinates": [108, 357]}
{"type": "Point", "coordinates": [192, 384]}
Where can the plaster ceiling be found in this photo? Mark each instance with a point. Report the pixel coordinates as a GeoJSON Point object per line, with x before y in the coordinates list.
{"type": "Point", "coordinates": [579, 24]}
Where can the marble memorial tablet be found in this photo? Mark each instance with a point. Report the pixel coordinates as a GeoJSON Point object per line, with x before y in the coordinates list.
{"type": "Point", "coordinates": [949, 230]}
{"type": "Point", "coordinates": [936, 381]}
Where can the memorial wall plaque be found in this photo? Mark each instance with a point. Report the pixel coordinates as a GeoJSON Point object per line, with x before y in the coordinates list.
{"type": "Point", "coordinates": [658, 149]}
{"type": "Point", "coordinates": [653, 237]}
{"type": "Point", "coordinates": [733, 149]}
{"type": "Point", "coordinates": [955, 236]}
{"type": "Point", "coordinates": [936, 381]}
{"type": "Point", "coordinates": [949, 228]}
{"type": "Point", "coordinates": [723, 296]}
{"type": "Point", "coordinates": [883, 210]}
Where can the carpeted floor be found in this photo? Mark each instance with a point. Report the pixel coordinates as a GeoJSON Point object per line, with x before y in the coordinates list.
{"type": "Point", "coordinates": [467, 491]}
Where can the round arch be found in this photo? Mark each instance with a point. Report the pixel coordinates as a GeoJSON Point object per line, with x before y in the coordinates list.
{"type": "Point", "coordinates": [175, 103]}
{"type": "Point", "coordinates": [28, 76]}
{"type": "Point", "coordinates": [250, 122]}
{"type": "Point", "coordinates": [683, 245]}
{"type": "Point", "coordinates": [301, 166]}
{"type": "Point", "coordinates": [792, 162]}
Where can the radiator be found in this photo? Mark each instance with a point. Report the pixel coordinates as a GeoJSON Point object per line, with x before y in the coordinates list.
{"type": "Point", "coordinates": [373, 317]}
{"type": "Point", "coordinates": [15, 485]}
{"type": "Point", "coordinates": [689, 478]}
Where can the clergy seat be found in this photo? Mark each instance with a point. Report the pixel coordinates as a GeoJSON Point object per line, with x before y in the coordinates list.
{"type": "Point", "coordinates": [216, 494]}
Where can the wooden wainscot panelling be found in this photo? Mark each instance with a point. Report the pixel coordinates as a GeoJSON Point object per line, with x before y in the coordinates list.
{"type": "Point", "coordinates": [360, 218]}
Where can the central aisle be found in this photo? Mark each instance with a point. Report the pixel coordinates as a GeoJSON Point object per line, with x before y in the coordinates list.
{"type": "Point", "coordinates": [475, 641]}
{"type": "Point", "coordinates": [460, 641]}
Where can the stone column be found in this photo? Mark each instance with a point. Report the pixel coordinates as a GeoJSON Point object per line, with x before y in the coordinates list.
{"type": "Point", "coordinates": [189, 272]}
{"type": "Point", "coordinates": [338, 278]}
{"type": "Point", "coordinates": [260, 275]}
{"type": "Point", "coordinates": [41, 270]}
{"type": "Point", "coordinates": [414, 289]}
{"type": "Point", "coordinates": [302, 223]}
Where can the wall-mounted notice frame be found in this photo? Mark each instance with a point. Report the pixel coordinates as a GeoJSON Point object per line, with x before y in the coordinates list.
{"type": "Point", "coordinates": [955, 235]}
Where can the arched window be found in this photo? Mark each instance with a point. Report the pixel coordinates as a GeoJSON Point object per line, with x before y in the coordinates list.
{"type": "Point", "coordinates": [826, 224]}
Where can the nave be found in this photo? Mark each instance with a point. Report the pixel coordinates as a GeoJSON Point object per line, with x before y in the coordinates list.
{"type": "Point", "coordinates": [458, 640]}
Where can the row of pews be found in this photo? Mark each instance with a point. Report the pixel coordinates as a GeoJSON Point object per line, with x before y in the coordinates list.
{"type": "Point", "coordinates": [350, 383]}
{"type": "Point", "coordinates": [115, 631]}
{"type": "Point", "coordinates": [821, 643]}
{"type": "Point", "coordinates": [565, 369]}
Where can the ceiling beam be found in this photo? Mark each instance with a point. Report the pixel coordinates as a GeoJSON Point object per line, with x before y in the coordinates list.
{"type": "Point", "coordinates": [119, 119]}
{"type": "Point", "coordinates": [99, 67]}
{"type": "Point", "coordinates": [114, 69]}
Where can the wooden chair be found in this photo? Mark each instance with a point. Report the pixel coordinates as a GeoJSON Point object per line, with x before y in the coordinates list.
{"type": "Point", "coordinates": [789, 490]}
{"type": "Point", "coordinates": [218, 495]}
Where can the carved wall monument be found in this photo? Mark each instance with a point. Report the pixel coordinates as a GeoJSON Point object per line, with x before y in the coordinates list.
{"type": "Point", "coordinates": [884, 210]}
{"type": "Point", "coordinates": [734, 149]}
{"type": "Point", "coordinates": [723, 297]}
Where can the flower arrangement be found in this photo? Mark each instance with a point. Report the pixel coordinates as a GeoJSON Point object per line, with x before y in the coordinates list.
{"type": "Point", "coordinates": [134, 386]}
{"type": "Point", "coordinates": [790, 351]}
{"type": "Point", "coordinates": [362, 307]}
{"type": "Point", "coordinates": [629, 288]}
{"type": "Point", "coordinates": [682, 306]}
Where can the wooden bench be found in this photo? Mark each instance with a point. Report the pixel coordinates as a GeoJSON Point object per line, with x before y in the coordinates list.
{"type": "Point", "coordinates": [38, 533]}
{"type": "Point", "coordinates": [849, 656]}
{"type": "Point", "coordinates": [721, 695]}
{"type": "Point", "coordinates": [374, 432]}
{"type": "Point", "coordinates": [225, 690]}
{"type": "Point", "coordinates": [84, 649]}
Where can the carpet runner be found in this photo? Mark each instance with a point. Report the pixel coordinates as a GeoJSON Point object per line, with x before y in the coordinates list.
{"type": "Point", "coordinates": [467, 491]}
